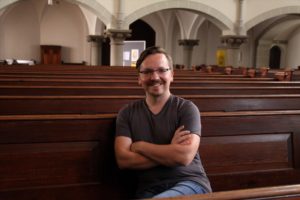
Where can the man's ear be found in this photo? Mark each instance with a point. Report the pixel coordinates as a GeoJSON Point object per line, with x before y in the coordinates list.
{"type": "Point", "coordinates": [172, 75]}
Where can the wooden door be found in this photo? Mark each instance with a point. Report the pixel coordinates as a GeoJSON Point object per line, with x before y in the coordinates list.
{"type": "Point", "coordinates": [50, 54]}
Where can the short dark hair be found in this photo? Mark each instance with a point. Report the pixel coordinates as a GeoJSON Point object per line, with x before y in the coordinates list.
{"type": "Point", "coordinates": [153, 50]}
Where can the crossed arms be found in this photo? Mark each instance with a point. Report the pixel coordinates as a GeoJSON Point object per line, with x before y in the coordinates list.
{"type": "Point", "coordinates": [144, 155]}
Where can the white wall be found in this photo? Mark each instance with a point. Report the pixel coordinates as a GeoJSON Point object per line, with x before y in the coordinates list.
{"type": "Point", "coordinates": [209, 41]}
{"type": "Point", "coordinates": [65, 25]}
{"type": "Point", "coordinates": [293, 49]}
{"type": "Point", "coordinates": [263, 53]}
{"type": "Point", "coordinates": [19, 33]}
{"type": "Point", "coordinates": [256, 8]}
{"type": "Point", "coordinates": [176, 50]}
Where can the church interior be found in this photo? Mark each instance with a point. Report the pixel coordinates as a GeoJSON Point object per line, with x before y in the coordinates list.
{"type": "Point", "coordinates": [68, 66]}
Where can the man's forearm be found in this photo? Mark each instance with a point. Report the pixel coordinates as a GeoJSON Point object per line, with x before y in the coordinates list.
{"type": "Point", "coordinates": [168, 155]}
{"type": "Point", "coordinates": [135, 161]}
{"type": "Point", "coordinates": [128, 159]}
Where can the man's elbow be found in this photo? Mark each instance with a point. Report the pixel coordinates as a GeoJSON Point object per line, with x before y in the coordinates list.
{"type": "Point", "coordinates": [123, 166]}
{"type": "Point", "coordinates": [185, 161]}
{"type": "Point", "coordinates": [122, 163]}
{"type": "Point", "coordinates": [189, 152]}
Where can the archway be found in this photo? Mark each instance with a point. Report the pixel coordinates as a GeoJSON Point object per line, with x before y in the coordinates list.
{"type": "Point", "coordinates": [213, 15]}
{"type": "Point", "coordinates": [275, 54]}
{"type": "Point", "coordinates": [142, 31]}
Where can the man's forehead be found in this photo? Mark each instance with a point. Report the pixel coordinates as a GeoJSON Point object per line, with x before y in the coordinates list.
{"type": "Point", "coordinates": [160, 59]}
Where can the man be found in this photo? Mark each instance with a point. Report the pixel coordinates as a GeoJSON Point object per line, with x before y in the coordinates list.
{"type": "Point", "coordinates": [159, 136]}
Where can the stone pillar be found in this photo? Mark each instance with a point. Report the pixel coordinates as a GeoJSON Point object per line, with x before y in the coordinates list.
{"type": "Point", "coordinates": [232, 45]}
{"type": "Point", "coordinates": [96, 51]}
{"type": "Point", "coordinates": [240, 18]}
{"type": "Point", "coordinates": [188, 45]}
{"type": "Point", "coordinates": [117, 37]}
{"type": "Point", "coordinates": [120, 14]}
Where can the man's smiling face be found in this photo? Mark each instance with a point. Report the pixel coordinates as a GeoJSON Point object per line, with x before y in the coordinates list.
{"type": "Point", "coordinates": [155, 75]}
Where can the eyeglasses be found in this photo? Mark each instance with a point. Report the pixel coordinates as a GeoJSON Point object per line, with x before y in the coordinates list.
{"type": "Point", "coordinates": [150, 72]}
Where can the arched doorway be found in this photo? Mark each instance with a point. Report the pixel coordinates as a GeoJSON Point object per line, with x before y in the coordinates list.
{"type": "Point", "coordinates": [142, 31]}
{"type": "Point", "coordinates": [275, 54]}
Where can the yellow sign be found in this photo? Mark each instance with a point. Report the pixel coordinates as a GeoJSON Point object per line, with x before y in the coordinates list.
{"type": "Point", "coordinates": [221, 57]}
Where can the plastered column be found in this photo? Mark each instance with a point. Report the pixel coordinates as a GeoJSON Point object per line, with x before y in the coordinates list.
{"type": "Point", "coordinates": [117, 38]}
{"type": "Point", "coordinates": [188, 45]}
{"type": "Point", "coordinates": [232, 45]}
{"type": "Point", "coordinates": [96, 51]}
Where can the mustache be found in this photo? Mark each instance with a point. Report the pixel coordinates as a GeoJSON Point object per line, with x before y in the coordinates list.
{"type": "Point", "coordinates": [153, 82]}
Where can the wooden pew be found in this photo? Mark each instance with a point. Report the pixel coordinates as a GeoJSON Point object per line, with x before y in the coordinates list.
{"type": "Point", "coordinates": [115, 70]}
{"type": "Point", "coordinates": [112, 104]}
{"type": "Point", "coordinates": [75, 68]}
{"type": "Point", "coordinates": [290, 192]}
{"type": "Point", "coordinates": [107, 76]}
{"type": "Point", "coordinates": [51, 75]}
{"type": "Point", "coordinates": [119, 73]}
{"type": "Point", "coordinates": [59, 157]}
{"type": "Point", "coordinates": [72, 155]}
{"type": "Point", "coordinates": [16, 68]}
{"type": "Point", "coordinates": [124, 78]}
{"type": "Point", "coordinates": [137, 90]}
{"type": "Point", "coordinates": [133, 82]}
{"type": "Point", "coordinates": [65, 151]}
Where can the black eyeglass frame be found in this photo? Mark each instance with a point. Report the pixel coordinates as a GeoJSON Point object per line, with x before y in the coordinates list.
{"type": "Point", "coordinates": [148, 72]}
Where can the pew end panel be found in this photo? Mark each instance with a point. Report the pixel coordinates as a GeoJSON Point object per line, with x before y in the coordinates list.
{"type": "Point", "coordinates": [46, 156]}
{"type": "Point", "coordinates": [252, 150]}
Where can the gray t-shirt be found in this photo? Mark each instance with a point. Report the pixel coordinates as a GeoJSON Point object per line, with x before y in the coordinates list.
{"type": "Point", "coordinates": [136, 121]}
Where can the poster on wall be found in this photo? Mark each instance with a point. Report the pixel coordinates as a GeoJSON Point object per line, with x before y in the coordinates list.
{"type": "Point", "coordinates": [131, 53]}
{"type": "Point", "coordinates": [221, 55]}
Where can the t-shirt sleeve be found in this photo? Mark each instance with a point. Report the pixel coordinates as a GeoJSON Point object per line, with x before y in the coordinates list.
{"type": "Point", "coordinates": [190, 117]}
{"type": "Point", "coordinates": [122, 123]}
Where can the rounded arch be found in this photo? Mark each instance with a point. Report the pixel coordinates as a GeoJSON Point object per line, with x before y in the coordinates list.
{"type": "Point", "coordinates": [275, 57]}
{"type": "Point", "coordinates": [100, 11]}
{"type": "Point", "coordinates": [194, 30]}
{"type": "Point", "coordinates": [218, 18]}
{"type": "Point", "coordinates": [5, 3]}
{"type": "Point", "coordinates": [142, 31]}
{"type": "Point", "coordinates": [270, 14]}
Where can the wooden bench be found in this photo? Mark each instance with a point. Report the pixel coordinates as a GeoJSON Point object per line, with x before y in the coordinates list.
{"type": "Point", "coordinates": [104, 75]}
{"type": "Point", "coordinates": [80, 78]}
{"type": "Point", "coordinates": [99, 75]}
{"type": "Point", "coordinates": [137, 90]}
{"type": "Point", "coordinates": [68, 81]}
{"type": "Point", "coordinates": [112, 104]}
{"type": "Point", "coordinates": [119, 69]}
{"type": "Point", "coordinates": [71, 156]}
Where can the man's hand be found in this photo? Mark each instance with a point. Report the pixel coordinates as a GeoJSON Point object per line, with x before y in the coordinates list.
{"type": "Point", "coordinates": [182, 136]}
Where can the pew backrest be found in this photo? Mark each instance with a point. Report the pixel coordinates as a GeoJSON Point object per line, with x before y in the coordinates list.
{"type": "Point", "coordinates": [112, 104]}
{"type": "Point", "coordinates": [137, 90]}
